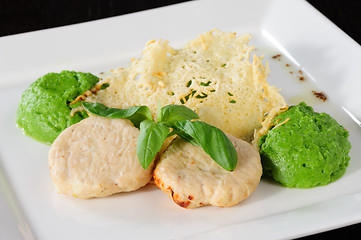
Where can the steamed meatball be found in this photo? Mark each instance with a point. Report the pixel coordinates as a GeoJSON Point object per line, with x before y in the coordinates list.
{"type": "Point", "coordinates": [96, 158]}
{"type": "Point", "coordinates": [192, 179]}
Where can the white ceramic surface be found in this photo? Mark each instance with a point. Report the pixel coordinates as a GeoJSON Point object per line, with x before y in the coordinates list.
{"type": "Point", "coordinates": [307, 41]}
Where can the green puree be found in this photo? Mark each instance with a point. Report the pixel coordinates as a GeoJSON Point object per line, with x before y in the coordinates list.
{"type": "Point", "coordinates": [44, 110]}
{"type": "Point", "coordinates": [310, 149]}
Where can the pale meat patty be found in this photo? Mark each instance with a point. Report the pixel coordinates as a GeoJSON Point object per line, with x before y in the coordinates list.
{"type": "Point", "coordinates": [96, 158]}
{"type": "Point", "coordinates": [193, 179]}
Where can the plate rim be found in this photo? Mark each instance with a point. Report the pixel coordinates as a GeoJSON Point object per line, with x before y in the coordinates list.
{"type": "Point", "coordinates": [344, 35]}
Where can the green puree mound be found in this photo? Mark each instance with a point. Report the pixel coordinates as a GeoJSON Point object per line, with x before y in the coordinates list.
{"type": "Point", "coordinates": [44, 110]}
{"type": "Point", "coordinates": [308, 150]}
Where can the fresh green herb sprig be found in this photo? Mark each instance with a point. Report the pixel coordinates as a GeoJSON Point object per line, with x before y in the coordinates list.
{"type": "Point", "coordinates": [172, 119]}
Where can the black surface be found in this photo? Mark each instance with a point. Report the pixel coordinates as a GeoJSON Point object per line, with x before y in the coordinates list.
{"type": "Point", "coordinates": [18, 16]}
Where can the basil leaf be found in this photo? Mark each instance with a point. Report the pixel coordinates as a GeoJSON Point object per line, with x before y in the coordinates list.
{"type": "Point", "coordinates": [213, 141]}
{"type": "Point", "coordinates": [159, 112]}
{"type": "Point", "coordinates": [172, 113]}
{"type": "Point", "coordinates": [152, 134]}
{"type": "Point", "coordinates": [150, 140]}
{"type": "Point", "coordinates": [135, 114]}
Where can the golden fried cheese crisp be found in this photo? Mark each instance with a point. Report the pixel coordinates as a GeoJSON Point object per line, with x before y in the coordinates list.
{"type": "Point", "coordinates": [216, 75]}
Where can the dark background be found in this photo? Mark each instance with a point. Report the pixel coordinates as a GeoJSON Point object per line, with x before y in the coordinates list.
{"type": "Point", "coordinates": [19, 16]}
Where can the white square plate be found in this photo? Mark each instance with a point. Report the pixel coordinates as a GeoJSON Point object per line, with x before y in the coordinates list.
{"type": "Point", "coordinates": [312, 46]}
